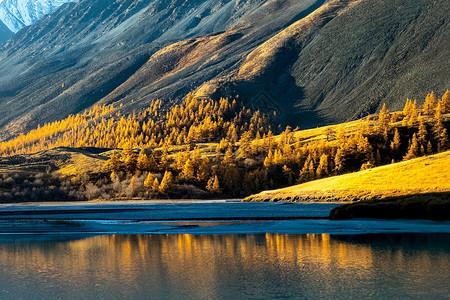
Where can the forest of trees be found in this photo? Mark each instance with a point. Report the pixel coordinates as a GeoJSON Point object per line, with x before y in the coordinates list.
{"type": "Point", "coordinates": [193, 121]}
{"type": "Point", "coordinates": [204, 148]}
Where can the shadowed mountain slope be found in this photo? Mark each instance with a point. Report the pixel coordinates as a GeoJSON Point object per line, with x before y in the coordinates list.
{"type": "Point", "coordinates": [313, 62]}
{"type": "Point", "coordinates": [5, 33]}
{"type": "Point", "coordinates": [340, 64]}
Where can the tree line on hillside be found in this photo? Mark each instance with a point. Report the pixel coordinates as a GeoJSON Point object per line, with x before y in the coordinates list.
{"type": "Point", "coordinates": [193, 121]}
{"type": "Point", "coordinates": [225, 150]}
{"type": "Point", "coordinates": [254, 163]}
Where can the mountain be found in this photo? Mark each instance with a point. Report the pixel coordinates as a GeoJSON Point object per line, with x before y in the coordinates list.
{"type": "Point", "coordinates": [5, 33]}
{"type": "Point", "coordinates": [111, 45]}
{"type": "Point", "coordinates": [313, 62]}
{"type": "Point", "coordinates": [17, 14]}
{"type": "Point", "coordinates": [372, 53]}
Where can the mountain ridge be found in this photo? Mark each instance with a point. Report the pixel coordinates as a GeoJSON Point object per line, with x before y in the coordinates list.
{"type": "Point", "coordinates": [339, 60]}
{"type": "Point", "coordinates": [17, 14]}
{"type": "Point", "coordinates": [333, 70]}
{"type": "Point", "coordinates": [88, 78]}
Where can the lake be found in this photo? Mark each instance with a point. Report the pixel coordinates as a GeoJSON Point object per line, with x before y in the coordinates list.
{"type": "Point", "coordinates": [179, 250]}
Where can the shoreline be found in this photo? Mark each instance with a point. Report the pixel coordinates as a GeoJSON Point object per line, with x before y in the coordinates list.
{"type": "Point", "coordinates": [429, 206]}
{"type": "Point", "coordinates": [425, 206]}
{"type": "Point", "coordinates": [143, 201]}
{"type": "Point", "coordinates": [196, 218]}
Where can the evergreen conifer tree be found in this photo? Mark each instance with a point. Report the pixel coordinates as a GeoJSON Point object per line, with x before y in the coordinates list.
{"type": "Point", "coordinates": [143, 163]}
{"type": "Point", "coordinates": [166, 182]}
{"type": "Point", "coordinates": [413, 149]}
{"type": "Point", "coordinates": [148, 183]}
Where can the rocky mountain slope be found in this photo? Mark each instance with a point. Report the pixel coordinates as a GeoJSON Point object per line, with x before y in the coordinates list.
{"type": "Point", "coordinates": [16, 14]}
{"type": "Point", "coordinates": [313, 62]}
{"type": "Point", "coordinates": [5, 33]}
{"type": "Point", "coordinates": [373, 52]}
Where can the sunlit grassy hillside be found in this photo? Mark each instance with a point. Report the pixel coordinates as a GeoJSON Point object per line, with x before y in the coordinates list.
{"type": "Point", "coordinates": [422, 175]}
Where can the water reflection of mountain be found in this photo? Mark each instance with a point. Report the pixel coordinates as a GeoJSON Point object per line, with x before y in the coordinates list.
{"type": "Point", "coordinates": [203, 266]}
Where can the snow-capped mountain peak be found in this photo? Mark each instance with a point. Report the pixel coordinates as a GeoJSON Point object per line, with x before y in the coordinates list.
{"type": "Point", "coordinates": [17, 14]}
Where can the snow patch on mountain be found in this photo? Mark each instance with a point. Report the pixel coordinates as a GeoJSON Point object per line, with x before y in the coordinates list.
{"type": "Point", "coordinates": [16, 14]}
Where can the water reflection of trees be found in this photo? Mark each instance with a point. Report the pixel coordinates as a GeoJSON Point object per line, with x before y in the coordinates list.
{"type": "Point", "coordinates": [199, 263]}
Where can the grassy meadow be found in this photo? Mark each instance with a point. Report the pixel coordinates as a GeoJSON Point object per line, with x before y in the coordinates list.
{"type": "Point", "coordinates": [429, 174]}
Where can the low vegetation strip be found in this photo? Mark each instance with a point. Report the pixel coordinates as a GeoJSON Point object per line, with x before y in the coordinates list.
{"type": "Point", "coordinates": [429, 174]}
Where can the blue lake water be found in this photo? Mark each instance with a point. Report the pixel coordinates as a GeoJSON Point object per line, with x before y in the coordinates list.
{"type": "Point", "coordinates": [216, 250]}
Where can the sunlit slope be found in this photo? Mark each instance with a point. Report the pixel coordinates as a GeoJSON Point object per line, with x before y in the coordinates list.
{"type": "Point", "coordinates": [428, 174]}
{"type": "Point", "coordinates": [67, 161]}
